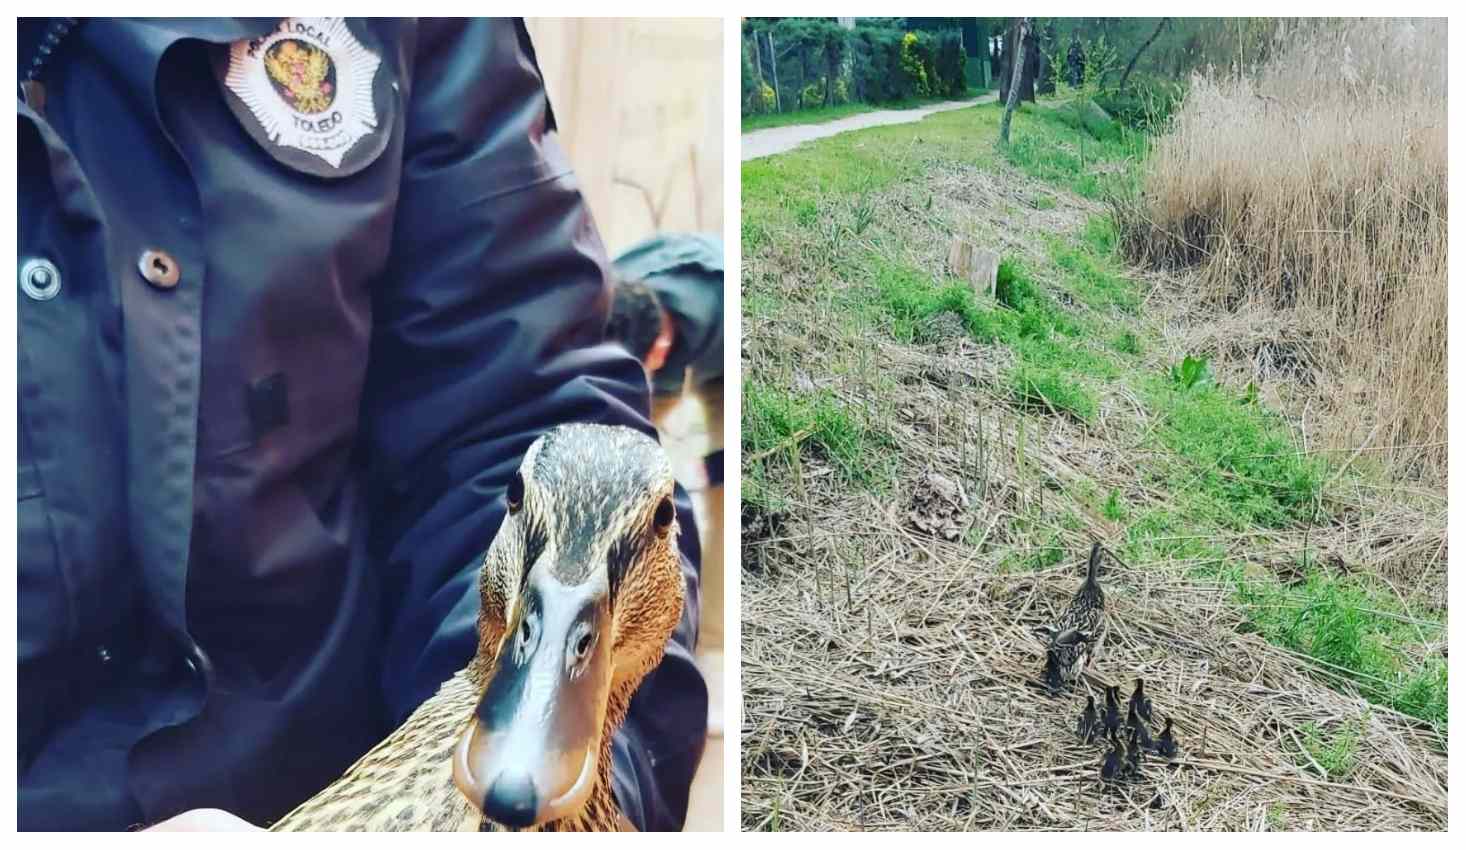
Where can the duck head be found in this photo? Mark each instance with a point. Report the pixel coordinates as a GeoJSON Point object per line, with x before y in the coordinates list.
{"type": "Point", "coordinates": [581, 589]}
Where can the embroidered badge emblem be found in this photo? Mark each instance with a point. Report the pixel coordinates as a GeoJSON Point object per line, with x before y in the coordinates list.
{"type": "Point", "coordinates": [311, 86]}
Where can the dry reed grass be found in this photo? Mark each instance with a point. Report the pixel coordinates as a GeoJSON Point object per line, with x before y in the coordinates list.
{"type": "Point", "coordinates": [1311, 195]}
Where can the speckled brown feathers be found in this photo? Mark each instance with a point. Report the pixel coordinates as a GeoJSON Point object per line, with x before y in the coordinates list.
{"type": "Point", "coordinates": [586, 498]}
{"type": "Point", "coordinates": [1077, 636]}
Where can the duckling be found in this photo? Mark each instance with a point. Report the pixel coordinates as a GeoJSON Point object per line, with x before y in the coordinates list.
{"type": "Point", "coordinates": [1137, 727]}
{"type": "Point", "coordinates": [1114, 762]}
{"type": "Point", "coordinates": [1140, 702]}
{"type": "Point", "coordinates": [1111, 717]}
{"type": "Point", "coordinates": [580, 591]}
{"type": "Point", "coordinates": [1088, 721]}
{"type": "Point", "coordinates": [1063, 655]}
{"type": "Point", "coordinates": [1134, 756]}
{"type": "Point", "coordinates": [1079, 633]}
{"type": "Point", "coordinates": [1165, 745]}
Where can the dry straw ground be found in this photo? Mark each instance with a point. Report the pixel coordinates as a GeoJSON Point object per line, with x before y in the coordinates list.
{"type": "Point", "coordinates": [889, 675]}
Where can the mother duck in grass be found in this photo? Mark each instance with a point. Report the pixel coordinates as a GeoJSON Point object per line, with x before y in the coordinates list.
{"type": "Point", "coordinates": [580, 592]}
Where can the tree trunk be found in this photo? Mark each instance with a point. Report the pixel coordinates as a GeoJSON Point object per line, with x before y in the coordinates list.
{"type": "Point", "coordinates": [1046, 73]}
{"type": "Point", "coordinates": [832, 67]}
{"type": "Point", "coordinates": [774, 72]}
{"type": "Point", "coordinates": [1136, 58]}
{"type": "Point", "coordinates": [1028, 80]}
{"type": "Point", "coordinates": [1021, 51]}
{"type": "Point", "coordinates": [758, 62]}
{"type": "Point", "coordinates": [1005, 71]}
{"type": "Point", "coordinates": [1016, 65]}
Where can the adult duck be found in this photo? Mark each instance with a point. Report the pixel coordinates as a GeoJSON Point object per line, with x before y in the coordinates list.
{"type": "Point", "coordinates": [580, 590]}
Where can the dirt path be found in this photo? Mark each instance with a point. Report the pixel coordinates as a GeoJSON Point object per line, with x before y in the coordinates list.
{"type": "Point", "coordinates": [774, 140]}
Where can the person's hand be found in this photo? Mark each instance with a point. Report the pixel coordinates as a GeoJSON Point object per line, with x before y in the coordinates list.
{"type": "Point", "coordinates": [204, 820]}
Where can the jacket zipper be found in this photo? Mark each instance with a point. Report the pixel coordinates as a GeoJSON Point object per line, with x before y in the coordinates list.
{"type": "Point", "coordinates": [31, 90]}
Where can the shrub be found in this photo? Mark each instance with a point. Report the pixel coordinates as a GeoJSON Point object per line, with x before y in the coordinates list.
{"type": "Point", "coordinates": [877, 64]}
{"type": "Point", "coordinates": [766, 99]}
{"type": "Point", "coordinates": [951, 64]}
{"type": "Point", "coordinates": [813, 95]}
{"type": "Point", "coordinates": [1146, 103]}
{"type": "Point", "coordinates": [913, 65]}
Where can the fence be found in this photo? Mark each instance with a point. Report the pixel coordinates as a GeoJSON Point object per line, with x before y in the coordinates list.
{"type": "Point", "coordinates": [639, 104]}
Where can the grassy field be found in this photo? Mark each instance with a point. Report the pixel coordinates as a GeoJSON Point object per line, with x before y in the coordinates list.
{"type": "Point", "coordinates": [1285, 603]}
{"type": "Point", "coordinates": [824, 114]}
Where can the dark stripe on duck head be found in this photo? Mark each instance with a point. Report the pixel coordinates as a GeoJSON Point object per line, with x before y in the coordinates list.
{"type": "Point", "coordinates": [535, 538]}
{"type": "Point", "coordinates": [622, 555]}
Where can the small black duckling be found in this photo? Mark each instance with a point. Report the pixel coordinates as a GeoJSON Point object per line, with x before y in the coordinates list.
{"type": "Point", "coordinates": [1137, 727]}
{"type": "Point", "coordinates": [1165, 745]}
{"type": "Point", "coordinates": [1139, 702]}
{"type": "Point", "coordinates": [1111, 716]}
{"type": "Point", "coordinates": [1134, 756]}
{"type": "Point", "coordinates": [1114, 760]}
{"type": "Point", "coordinates": [1088, 722]}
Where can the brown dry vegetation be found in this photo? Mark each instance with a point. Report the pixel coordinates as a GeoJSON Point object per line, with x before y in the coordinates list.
{"type": "Point", "coordinates": [1310, 199]}
{"type": "Point", "coordinates": [888, 673]}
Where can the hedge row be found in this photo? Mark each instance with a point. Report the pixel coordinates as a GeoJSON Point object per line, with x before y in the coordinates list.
{"type": "Point", "coordinates": [820, 63]}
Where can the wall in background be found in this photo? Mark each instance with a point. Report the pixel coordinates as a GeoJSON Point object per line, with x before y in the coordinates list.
{"type": "Point", "coordinates": [639, 105]}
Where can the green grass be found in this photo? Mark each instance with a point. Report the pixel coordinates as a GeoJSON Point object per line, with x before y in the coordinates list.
{"type": "Point", "coordinates": [824, 114]}
{"type": "Point", "coordinates": [871, 160]}
{"type": "Point", "coordinates": [1049, 149]}
{"type": "Point", "coordinates": [1238, 466]}
{"type": "Point", "coordinates": [1051, 391]}
{"type": "Point", "coordinates": [1093, 279]}
{"type": "Point", "coordinates": [1336, 752]}
{"type": "Point", "coordinates": [1211, 460]}
{"type": "Point", "coordinates": [910, 300]}
{"type": "Point", "coordinates": [1021, 317]}
{"type": "Point", "coordinates": [1358, 630]}
{"type": "Point", "coordinates": [775, 420]}
{"type": "Point", "coordinates": [1114, 509]}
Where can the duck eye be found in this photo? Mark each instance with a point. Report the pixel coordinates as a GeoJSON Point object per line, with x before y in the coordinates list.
{"type": "Point", "coordinates": [515, 495]}
{"type": "Point", "coordinates": [665, 514]}
{"type": "Point", "coordinates": [582, 646]}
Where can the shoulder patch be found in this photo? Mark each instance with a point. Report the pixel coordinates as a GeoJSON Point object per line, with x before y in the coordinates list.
{"type": "Point", "coordinates": [313, 94]}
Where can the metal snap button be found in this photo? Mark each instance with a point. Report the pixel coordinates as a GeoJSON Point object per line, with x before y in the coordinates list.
{"type": "Point", "coordinates": [104, 654]}
{"type": "Point", "coordinates": [40, 279]}
{"type": "Point", "coordinates": [159, 269]}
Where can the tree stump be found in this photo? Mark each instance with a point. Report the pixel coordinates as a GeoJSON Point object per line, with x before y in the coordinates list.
{"type": "Point", "coordinates": [975, 265]}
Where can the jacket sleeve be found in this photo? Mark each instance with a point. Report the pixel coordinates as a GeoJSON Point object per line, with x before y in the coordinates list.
{"type": "Point", "coordinates": [487, 332]}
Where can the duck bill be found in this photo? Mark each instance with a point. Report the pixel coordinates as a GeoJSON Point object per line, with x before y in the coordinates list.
{"type": "Point", "coordinates": [530, 755]}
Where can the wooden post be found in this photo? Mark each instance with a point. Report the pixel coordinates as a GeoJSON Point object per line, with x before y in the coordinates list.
{"type": "Point", "coordinates": [976, 266]}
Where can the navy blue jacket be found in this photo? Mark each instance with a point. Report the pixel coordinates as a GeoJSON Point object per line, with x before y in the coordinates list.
{"type": "Point", "coordinates": [273, 380]}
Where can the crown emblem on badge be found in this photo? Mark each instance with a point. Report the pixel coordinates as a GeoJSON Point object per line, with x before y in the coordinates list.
{"type": "Point", "coordinates": [309, 84]}
{"type": "Point", "coordinates": [303, 74]}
